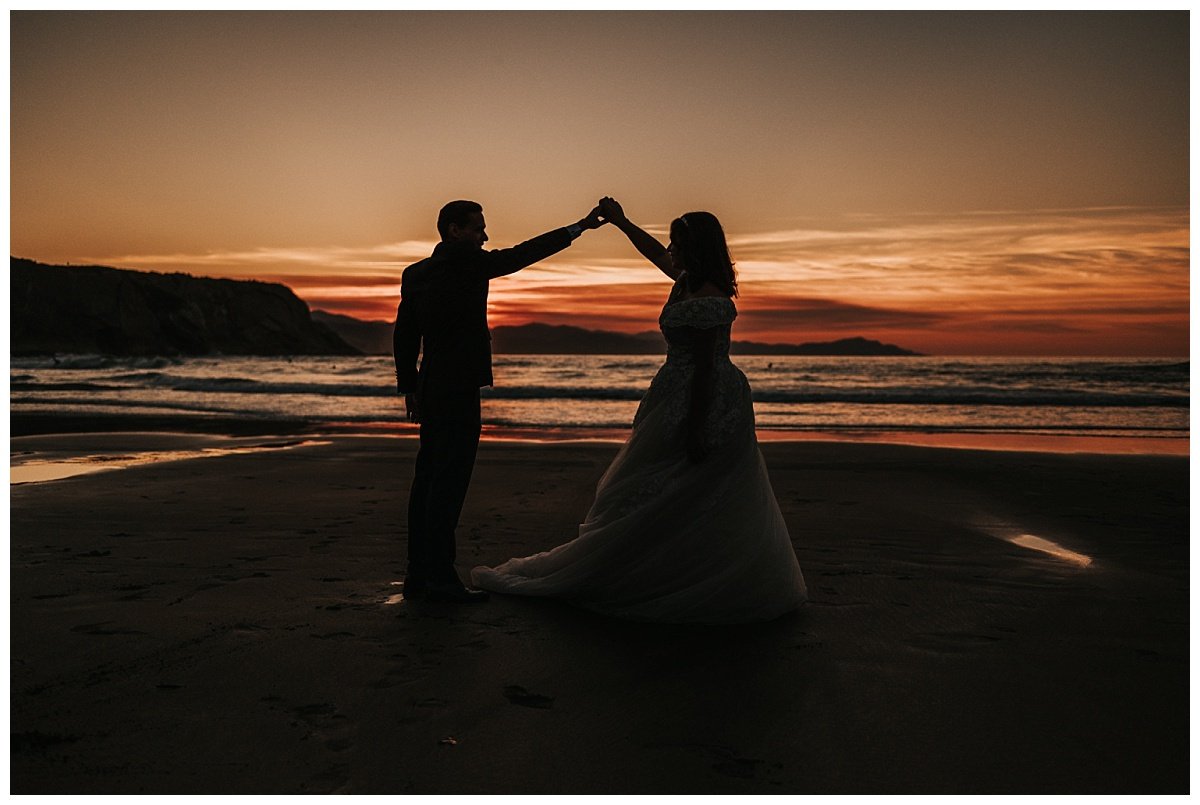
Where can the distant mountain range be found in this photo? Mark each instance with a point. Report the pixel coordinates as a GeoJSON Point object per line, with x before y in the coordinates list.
{"type": "Point", "coordinates": [96, 309]}
{"type": "Point", "coordinates": [375, 338]}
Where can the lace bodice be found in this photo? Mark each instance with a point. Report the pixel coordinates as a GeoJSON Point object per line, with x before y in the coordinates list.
{"type": "Point", "coordinates": [681, 317]}
{"type": "Point", "coordinates": [729, 409]}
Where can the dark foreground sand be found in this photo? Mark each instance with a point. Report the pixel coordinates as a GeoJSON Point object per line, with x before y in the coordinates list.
{"type": "Point", "coordinates": [224, 625]}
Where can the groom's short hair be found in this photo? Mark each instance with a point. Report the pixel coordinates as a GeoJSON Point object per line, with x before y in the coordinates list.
{"type": "Point", "coordinates": [458, 213]}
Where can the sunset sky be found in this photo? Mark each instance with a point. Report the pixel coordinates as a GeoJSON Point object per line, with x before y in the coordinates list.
{"type": "Point", "coordinates": [957, 183]}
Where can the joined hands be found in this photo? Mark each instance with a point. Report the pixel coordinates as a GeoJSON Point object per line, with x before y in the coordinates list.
{"type": "Point", "coordinates": [608, 211]}
{"type": "Point", "coordinates": [611, 210]}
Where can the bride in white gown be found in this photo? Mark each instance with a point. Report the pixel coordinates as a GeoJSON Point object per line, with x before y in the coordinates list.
{"type": "Point", "coordinates": [685, 526]}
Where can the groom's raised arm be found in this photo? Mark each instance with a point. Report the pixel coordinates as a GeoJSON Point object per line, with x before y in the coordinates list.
{"type": "Point", "coordinates": [501, 262]}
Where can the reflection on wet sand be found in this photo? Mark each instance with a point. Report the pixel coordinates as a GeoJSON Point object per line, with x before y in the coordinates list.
{"type": "Point", "coordinates": [26, 470]}
{"type": "Point", "coordinates": [1018, 535]}
{"type": "Point", "coordinates": [398, 598]}
{"type": "Point", "coordinates": [1053, 548]}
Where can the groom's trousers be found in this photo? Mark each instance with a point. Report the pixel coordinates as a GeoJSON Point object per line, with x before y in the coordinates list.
{"type": "Point", "coordinates": [449, 440]}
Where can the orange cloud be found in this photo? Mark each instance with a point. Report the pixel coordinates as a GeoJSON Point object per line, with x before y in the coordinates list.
{"type": "Point", "coordinates": [1092, 281]}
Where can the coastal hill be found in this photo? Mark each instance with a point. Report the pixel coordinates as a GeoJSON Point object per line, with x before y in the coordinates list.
{"type": "Point", "coordinates": [95, 309]}
{"type": "Point", "coordinates": [375, 338]}
{"type": "Point", "coordinates": [848, 347]}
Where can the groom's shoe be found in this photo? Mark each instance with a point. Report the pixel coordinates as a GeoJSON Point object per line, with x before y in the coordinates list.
{"type": "Point", "coordinates": [454, 593]}
{"type": "Point", "coordinates": [414, 588]}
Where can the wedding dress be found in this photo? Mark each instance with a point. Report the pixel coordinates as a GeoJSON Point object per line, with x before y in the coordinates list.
{"type": "Point", "coordinates": [667, 539]}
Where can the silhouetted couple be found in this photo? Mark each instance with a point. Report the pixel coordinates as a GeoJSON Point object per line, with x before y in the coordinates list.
{"type": "Point", "coordinates": [685, 526]}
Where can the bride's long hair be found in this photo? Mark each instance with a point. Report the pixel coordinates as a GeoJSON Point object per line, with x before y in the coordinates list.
{"type": "Point", "coordinates": [700, 242]}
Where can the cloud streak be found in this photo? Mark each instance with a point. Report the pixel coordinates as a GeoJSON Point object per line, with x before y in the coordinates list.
{"type": "Point", "coordinates": [944, 282]}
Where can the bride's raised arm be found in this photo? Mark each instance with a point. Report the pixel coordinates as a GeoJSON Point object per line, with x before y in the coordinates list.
{"type": "Point", "coordinates": [643, 241]}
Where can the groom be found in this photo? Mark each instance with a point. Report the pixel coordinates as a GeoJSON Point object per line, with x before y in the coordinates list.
{"type": "Point", "coordinates": [443, 308]}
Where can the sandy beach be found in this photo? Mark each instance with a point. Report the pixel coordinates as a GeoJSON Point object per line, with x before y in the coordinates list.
{"type": "Point", "coordinates": [980, 622]}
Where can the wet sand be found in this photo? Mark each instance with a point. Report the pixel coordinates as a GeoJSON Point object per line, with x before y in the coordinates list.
{"type": "Point", "coordinates": [230, 623]}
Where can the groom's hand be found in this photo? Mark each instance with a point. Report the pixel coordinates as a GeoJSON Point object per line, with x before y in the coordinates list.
{"type": "Point", "coordinates": [412, 405]}
{"type": "Point", "coordinates": [593, 220]}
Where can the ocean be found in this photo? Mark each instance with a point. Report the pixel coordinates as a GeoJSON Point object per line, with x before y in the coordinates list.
{"type": "Point", "coordinates": [587, 394]}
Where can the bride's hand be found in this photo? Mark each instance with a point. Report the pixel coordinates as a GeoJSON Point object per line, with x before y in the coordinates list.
{"type": "Point", "coordinates": [611, 210]}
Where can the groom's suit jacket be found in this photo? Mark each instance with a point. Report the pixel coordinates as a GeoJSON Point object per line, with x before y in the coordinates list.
{"type": "Point", "coordinates": [443, 312]}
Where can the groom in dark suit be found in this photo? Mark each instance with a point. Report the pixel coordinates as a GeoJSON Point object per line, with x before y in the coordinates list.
{"type": "Point", "coordinates": [443, 315]}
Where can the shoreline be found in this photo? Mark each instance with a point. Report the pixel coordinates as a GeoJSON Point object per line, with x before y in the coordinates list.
{"type": "Point", "coordinates": [28, 424]}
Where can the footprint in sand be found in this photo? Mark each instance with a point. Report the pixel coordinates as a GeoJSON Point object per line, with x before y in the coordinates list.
{"type": "Point", "coordinates": [725, 760]}
{"type": "Point", "coordinates": [477, 645]}
{"type": "Point", "coordinates": [950, 642]}
{"type": "Point", "coordinates": [98, 629]}
{"type": "Point", "coordinates": [39, 742]}
{"type": "Point", "coordinates": [431, 702]}
{"type": "Point", "coordinates": [249, 629]}
{"type": "Point", "coordinates": [333, 727]}
{"type": "Point", "coordinates": [391, 679]}
{"type": "Point", "coordinates": [519, 695]}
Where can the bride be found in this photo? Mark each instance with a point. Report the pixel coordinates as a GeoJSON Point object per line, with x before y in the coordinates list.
{"type": "Point", "coordinates": [685, 526]}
